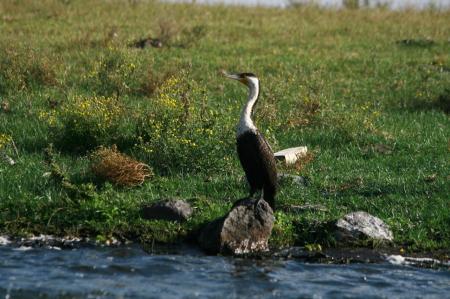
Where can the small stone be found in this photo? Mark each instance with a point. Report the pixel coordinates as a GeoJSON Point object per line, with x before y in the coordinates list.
{"type": "Point", "coordinates": [5, 107]}
{"type": "Point", "coordinates": [358, 226]}
{"type": "Point", "coordinates": [7, 159]}
{"type": "Point", "coordinates": [4, 240]}
{"type": "Point", "coordinates": [245, 229]}
{"type": "Point", "coordinates": [53, 104]}
{"type": "Point", "coordinates": [420, 262]}
{"type": "Point", "coordinates": [299, 253]}
{"type": "Point", "coordinates": [430, 178]}
{"type": "Point", "coordinates": [291, 155]}
{"type": "Point", "coordinates": [378, 148]}
{"type": "Point", "coordinates": [300, 181]}
{"type": "Point", "coordinates": [148, 43]}
{"type": "Point", "coordinates": [171, 210]}
{"type": "Point", "coordinates": [51, 242]}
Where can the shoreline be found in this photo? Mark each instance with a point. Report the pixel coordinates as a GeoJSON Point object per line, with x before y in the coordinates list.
{"type": "Point", "coordinates": [332, 255]}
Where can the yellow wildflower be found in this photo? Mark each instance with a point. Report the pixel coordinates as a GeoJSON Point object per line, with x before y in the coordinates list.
{"type": "Point", "coordinates": [4, 140]}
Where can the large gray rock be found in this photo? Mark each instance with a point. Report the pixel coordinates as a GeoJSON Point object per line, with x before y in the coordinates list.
{"type": "Point", "coordinates": [245, 229]}
{"type": "Point", "coordinates": [171, 210]}
{"type": "Point", "coordinates": [358, 226]}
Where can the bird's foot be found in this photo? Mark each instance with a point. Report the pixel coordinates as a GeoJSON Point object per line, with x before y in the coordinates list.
{"type": "Point", "coordinates": [239, 201]}
{"type": "Point", "coordinates": [256, 203]}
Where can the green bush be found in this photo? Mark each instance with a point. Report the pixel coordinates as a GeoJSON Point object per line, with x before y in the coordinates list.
{"type": "Point", "coordinates": [113, 74]}
{"type": "Point", "coordinates": [85, 122]}
{"type": "Point", "coordinates": [181, 132]}
{"type": "Point", "coordinates": [24, 69]}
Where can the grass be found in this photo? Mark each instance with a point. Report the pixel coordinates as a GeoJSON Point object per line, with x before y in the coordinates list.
{"type": "Point", "coordinates": [369, 97]}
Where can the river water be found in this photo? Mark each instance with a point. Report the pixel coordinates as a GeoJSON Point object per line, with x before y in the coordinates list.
{"type": "Point", "coordinates": [130, 272]}
{"type": "Point", "coordinates": [392, 4]}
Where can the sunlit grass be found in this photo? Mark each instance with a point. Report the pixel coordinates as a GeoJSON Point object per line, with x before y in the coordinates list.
{"type": "Point", "coordinates": [371, 106]}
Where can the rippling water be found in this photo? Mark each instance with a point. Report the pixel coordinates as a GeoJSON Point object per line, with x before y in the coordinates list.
{"type": "Point", "coordinates": [129, 272]}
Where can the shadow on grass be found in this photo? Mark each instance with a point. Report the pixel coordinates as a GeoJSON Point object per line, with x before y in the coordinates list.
{"type": "Point", "coordinates": [314, 232]}
{"type": "Point", "coordinates": [416, 43]}
{"type": "Point", "coordinates": [439, 103]}
{"type": "Point", "coordinates": [369, 189]}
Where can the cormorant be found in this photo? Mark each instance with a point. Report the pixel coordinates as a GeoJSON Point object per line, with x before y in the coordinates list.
{"type": "Point", "coordinates": [254, 152]}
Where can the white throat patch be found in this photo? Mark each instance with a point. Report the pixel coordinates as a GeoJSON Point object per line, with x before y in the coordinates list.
{"type": "Point", "coordinates": [245, 122]}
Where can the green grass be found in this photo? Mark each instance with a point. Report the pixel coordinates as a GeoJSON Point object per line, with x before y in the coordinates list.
{"type": "Point", "coordinates": [372, 109]}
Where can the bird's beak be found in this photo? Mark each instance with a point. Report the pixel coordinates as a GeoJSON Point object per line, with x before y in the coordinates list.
{"type": "Point", "coordinates": [234, 76]}
{"type": "Point", "coordinates": [230, 75]}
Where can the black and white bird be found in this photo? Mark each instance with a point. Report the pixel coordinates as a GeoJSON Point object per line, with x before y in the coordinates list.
{"type": "Point", "coordinates": [254, 152]}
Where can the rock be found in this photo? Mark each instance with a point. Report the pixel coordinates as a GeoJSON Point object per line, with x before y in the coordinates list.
{"type": "Point", "coordinates": [300, 253]}
{"type": "Point", "coordinates": [420, 262]}
{"type": "Point", "coordinates": [358, 226]}
{"type": "Point", "coordinates": [7, 159]}
{"type": "Point", "coordinates": [245, 229]}
{"type": "Point", "coordinates": [295, 179]}
{"type": "Point", "coordinates": [291, 155]}
{"type": "Point", "coordinates": [148, 43]}
{"type": "Point", "coordinates": [57, 242]}
{"type": "Point", "coordinates": [53, 104]}
{"type": "Point", "coordinates": [5, 107]}
{"type": "Point", "coordinates": [421, 42]}
{"type": "Point", "coordinates": [171, 210]}
{"type": "Point", "coordinates": [4, 240]}
{"type": "Point", "coordinates": [50, 242]}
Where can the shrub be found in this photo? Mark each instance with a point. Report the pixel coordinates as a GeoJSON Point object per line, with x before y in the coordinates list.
{"type": "Point", "coordinates": [346, 122]}
{"type": "Point", "coordinates": [181, 132]}
{"type": "Point", "coordinates": [113, 73]}
{"type": "Point", "coordinates": [84, 123]}
{"type": "Point", "coordinates": [24, 69]}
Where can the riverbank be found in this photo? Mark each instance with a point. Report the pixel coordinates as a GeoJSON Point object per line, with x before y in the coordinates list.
{"type": "Point", "coordinates": [346, 255]}
{"type": "Point", "coordinates": [368, 97]}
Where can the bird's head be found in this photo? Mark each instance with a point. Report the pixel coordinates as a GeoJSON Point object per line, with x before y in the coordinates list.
{"type": "Point", "coordinates": [245, 78]}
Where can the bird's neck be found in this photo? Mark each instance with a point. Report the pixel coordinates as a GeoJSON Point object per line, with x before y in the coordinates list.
{"type": "Point", "coordinates": [245, 122]}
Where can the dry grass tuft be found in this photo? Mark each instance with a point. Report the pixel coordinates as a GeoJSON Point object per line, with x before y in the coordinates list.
{"type": "Point", "coordinates": [303, 161]}
{"type": "Point", "coordinates": [113, 166]}
{"type": "Point", "coordinates": [305, 113]}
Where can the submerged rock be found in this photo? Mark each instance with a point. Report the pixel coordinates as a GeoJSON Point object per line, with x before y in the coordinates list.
{"type": "Point", "coordinates": [300, 253]}
{"type": "Point", "coordinates": [171, 210]}
{"type": "Point", "coordinates": [358, 226]}
{"type": "Point", "coordinates": [4, 240]}
{"type": "Point", "coordinates": [245, 229]}
{"type": "Point", "coordinates": [50, 242]}
{"type": "Point", "coordinates": [419, 262]}
{"type": "Point", "coordinates": [56, 242]}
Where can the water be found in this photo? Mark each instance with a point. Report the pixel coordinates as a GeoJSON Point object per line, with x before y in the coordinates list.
{"type": "Point", "coordinates": [129, 272]}
{"type": "Point", "coordinates": [392, 4]}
